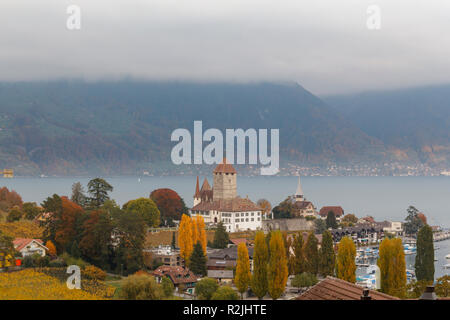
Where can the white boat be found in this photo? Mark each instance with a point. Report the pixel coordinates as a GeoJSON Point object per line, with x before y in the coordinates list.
{"type": "Point", "coordinates": [447, 256]}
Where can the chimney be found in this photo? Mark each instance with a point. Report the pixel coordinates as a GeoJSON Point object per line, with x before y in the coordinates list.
{"type": "Point", "coordinates": [365, 295]}
{"type": "Point", "coordinates": [428, 294]}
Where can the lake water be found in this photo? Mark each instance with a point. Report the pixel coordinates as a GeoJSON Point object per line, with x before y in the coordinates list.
{"type": "Point", "coordinates": [381, 197]}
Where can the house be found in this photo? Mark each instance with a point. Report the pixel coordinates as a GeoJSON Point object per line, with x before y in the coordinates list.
{"type": "Point", "coordinates": [222, 204]}
{"type": "Point", "coordinates": [337, 289]}
{"type": "Point", "coordinates": [180, 277]}
{"type": "Point", "coordinates": [28, 247]}
{"type": "Point", "coordinates": [395, 228]}
{"type": "Point", "coordinates": [337, 210]}
{"type": "Point", "coordinates": [165, 255]}
{"type": "Point", "coordinates": [222, 276]}
{"type": "Point", "coordinates": [237, 241]}
{"type": "Point", "coordinates": [223, 259]}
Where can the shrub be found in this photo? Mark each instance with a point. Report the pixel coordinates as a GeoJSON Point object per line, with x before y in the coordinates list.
{"type": "Point", "coordinates": [225, 293]}
{"type": "Point", "coordinates": [167, 286]}
{"type": "Point", "coordinates": [141, 287]}
{"type": "Point", "coordinates": [69, 260]}
{"type": "Point", "coordinates": [304, 280]}
{"type": "Point", "coordinates": [205, 288]}
{"type": "Point", "coordinates": [57, 263]}
{"type": "Point", "coordinates": [93, 273]}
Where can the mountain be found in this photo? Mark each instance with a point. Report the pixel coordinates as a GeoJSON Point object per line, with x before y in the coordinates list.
{"type": "Point", "coordinates": [75, 127]}
{"type": "Point", "coordinates": [414, 123]}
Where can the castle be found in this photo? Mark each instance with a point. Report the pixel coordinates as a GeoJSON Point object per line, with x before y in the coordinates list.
{"type": "Point", "coordinates": [222, 204]}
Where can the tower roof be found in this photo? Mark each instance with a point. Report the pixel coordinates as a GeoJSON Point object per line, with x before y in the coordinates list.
{"type": "Point", "coordinates": [197, 190]}
{"type": "Point", "coordinates": [224, 167]}
{"type": "Point", "coordinates": [205, 185]}
{"type": "Point", "coordinates": [299, 191]}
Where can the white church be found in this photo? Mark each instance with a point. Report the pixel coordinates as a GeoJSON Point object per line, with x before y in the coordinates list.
{"type": "Point", "coordinates": [221, 202]}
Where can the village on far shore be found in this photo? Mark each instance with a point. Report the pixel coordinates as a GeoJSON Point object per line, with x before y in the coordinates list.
{"type": "Point", "coordinates": [222, 224]}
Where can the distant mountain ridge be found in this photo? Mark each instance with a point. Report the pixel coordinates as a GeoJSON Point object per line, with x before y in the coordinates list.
{"type": "Point", "coordinates": [77, 128]}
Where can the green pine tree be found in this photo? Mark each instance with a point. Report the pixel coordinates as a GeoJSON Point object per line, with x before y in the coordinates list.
{"type": "Point", "coordinates": [221, 237]}
{"type": "Point", "coordinates": [197, 261]}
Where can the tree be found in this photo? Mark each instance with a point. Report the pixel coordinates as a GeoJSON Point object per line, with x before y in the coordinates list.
{"type": "Point", "coordinates": [392, 266]}
{"type": "Point", "coordinates": [345, 260]}
{"type": "Point", "coordinates": [67, 231]}
{"type": "Point", "coordinates": [443, 286]}
{"type": "Point", "coordinates": [98, 189]}
{"type": "Point", "coordinates": [78, 195]}
{"type": "Point", "coordinates": [327, 258]}
{"type": "Point", "coordinates": [185, 240]}
{"type": "Point", "coordinates": [221, 237]}
{"type": "Point", "coordinates": [304, 280]}
{"type": "Point", "coordinates": [331, 220]}
{"type": "Point", "coordinates": [205, 288]}
{"type": "Point", "coordinates": [14, 215]}
{"type": "Point", "coordinates": [197, 260]}
{"type": "Point", "coordinates": [424, 264]}
{"type": "Point", "coordinates": [146, 208]}
{"type": "Point", "coordinates": [174, 243]}
{"type": "Point", "coordinates": [312, 254]}
{"type": "Point", "coordinates": [167, 286]}
{"type": "Point", "coordinates": [349, 220]}
{"type": "Point", "coordinates": [299, 263]}
{"type": "Point", "coordinates": [413, 222]}
{"type": "Point", "coordinates": [284, 210]}
{"type": "Point", "coordinates": [225, 293]}
{"type": "Point", "coordinates": [141, 287]}
{"type": "Point", "coordinates": [277, 268]}
{"type": "Point", "coordinates": [265, 206]}
{"type": "Point", "coordinates": [243, 275]}
{"type": "Point", "coordinates": [6, 250]}
{"type": "Point", "coordinates": [259, 283]}
{"type": "Point", "coordinates": [9, 199]}
{"type": "Point", "coordinates": [169, 203]}
{"type": "Point", "coordinates": [30, 210]}
{"type": "Point", "coordinates": [198, 231]}
{"type": "Point", "coordinates": [53, 206]}
{"type": "Point", "coordinates": [320, 226]}
{"type": "Point", "coordinates": [51, 248]}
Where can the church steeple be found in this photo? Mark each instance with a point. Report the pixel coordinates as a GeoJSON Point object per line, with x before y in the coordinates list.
{"type": "Point", "coordinates": [197, 190]}
{"type": "Point", "coordinates": [299, 192]}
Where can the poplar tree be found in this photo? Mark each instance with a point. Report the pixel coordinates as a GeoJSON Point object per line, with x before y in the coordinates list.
{"type": "Point", "coordinates": [345, 260]}
{"type": "Point", "coordinates": [277, 269]}
{"type": "Point", "coordinates": [200, 233]}
{"type": "Point", "coordinates": [425, 254]}
{"type": "Point", "coordinates": [312, 254]}
{"type": "Point", "coordinates": [243, 275]}
{"type": "Point", "coordinates": [331, 220]}
{"type": "Point", "coordinates": [299, 263]}
{"type": "Point", "coordinates": [327, 258]}
{"type": "Point", "coordinates": [392, 267]}
{"type": "Point", "coordinates": [259, 283]}
{"type": "Point", "coordinates": [185, 240]}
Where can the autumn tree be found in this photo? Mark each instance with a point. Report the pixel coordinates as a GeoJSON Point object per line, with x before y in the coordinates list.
{"type": "Point", "coordinates": [277, 268]}
{"type": "Point", "coordinates": [225, 293]}
{"type": "Point", "coordinates": [9, 199]}
{"type": "Point", "coordinates": [170, 205]}
{"type": "Point", "coordinates": [205, 288]}
{"type": "Point", "coordinates": [198, 231]}
{"type": "Point", "coordinates": [185, 240]}
{"type": "Point", "coordinates": [221, 237]}
{"type": "Point", "coordinates": [349, 220]}
{"type": "Point", "coordinates": [146, 208]}
{"type": "Point", "coordinates": [98, 189]}
{"type": "Point", "coordinates": [30, 210]}
{"type": "Point", "coordinates": [53, 206]}
{"type": "Point", "coordinates": [312, 254]}
{"type": "Point", "coordinates": [443, 286]}
{"type": "Point", "coordinates": [78, 195]}
{"type": "Point", "coordinates": [51, 248]}
{"type": "Point", "coordinates": [392, 266]}
{"type": "Point", "coordinates": [259, 284]}
{"type": "Point", "coordinates": [345, 260]}
{"type": "Point", "coordinates": [197, 260]}
{"type": "Point", "coordinates": [265, 206]}
{"type": "Point", "coordinates": [243, 275]}
{"type": "Point", "coordinates": [327, 258]}
{"type": "Point", "coordinates": [424, 263]}
{"type": "Point", "coordinates": [299, 262]}
{"type": "Point", "coordinates": [67, 227]}
{"type": "Point", "coordinates": [14, 215]}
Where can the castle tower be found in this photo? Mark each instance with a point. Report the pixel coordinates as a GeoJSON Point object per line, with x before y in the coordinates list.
{"type": "Point", "coordinates": [299, 192]}
{"type": "Point", "coordinates": [197, 197]}
{"type": "Point", "coordinates": [225, 181]}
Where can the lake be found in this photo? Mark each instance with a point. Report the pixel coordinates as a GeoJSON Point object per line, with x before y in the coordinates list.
{"type": "Point", "coordinates": [381, 197]}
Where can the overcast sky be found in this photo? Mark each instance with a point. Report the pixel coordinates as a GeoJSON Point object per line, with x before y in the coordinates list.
{"type": "Point", "coordinates": [324, 45]}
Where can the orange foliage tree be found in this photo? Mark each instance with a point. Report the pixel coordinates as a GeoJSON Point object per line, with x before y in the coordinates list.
{"type": "Point", "coordinates": [51, 248]}
{"type": "Point", "coordinates": [9, 199]}
{"type": "Point", "coordinates": [199, 235]}
{"type": "Point", "coordinates": [169, 203]}
{"type": "Point", "coordinates": [185, 240]}
{"type": "Point", "coordinates": [66, 231]}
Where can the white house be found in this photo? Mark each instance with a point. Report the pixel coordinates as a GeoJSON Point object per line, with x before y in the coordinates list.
{"type": "Point", "coordinates": [29, 247]}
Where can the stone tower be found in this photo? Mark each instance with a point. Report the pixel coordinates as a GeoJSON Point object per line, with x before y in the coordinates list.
{"type": "Point", "coordinates": [225, 185]}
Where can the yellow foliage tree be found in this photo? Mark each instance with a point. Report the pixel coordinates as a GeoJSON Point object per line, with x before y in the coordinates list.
{"type": "Point", "coordinates": [277, 272]}
{"type": "Point", "coordinates": [392, 267]}
{"type": "Point", "coordinates": [185, 239]}
{"type": "Point", "coordinates": [243, 275]}
{"type": "Point", "coordinates": [51, 248]}
{"type": "Point", "coordinates": [200, 232]}
{"type": "Point", "coordinates": [345, 260]}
